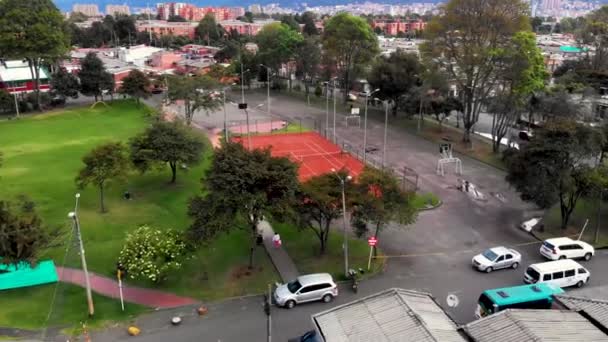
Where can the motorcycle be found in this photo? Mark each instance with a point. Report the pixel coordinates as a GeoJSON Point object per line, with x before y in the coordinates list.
{"type": "Point", "coordinates": [354, 281]}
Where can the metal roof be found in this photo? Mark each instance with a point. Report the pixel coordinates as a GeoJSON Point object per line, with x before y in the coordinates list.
{"type": "Point", "coordinates": [14, 71]}
{"type": "Point", "coordinates": [391, 315]}
{"type": "Point", "coordinates": [534, 326]}
{"type": "Point", "coordinates": [595, 309]}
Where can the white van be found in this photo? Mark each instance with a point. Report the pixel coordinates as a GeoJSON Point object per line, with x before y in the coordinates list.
{"type": "Point", "coordinates": [562, 273]}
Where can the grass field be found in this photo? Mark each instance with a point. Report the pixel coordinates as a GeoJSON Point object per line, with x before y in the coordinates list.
{"type": "Point", "coordinates": [586, 208]}
{"type": "Point", "coordinates": [42, 155]}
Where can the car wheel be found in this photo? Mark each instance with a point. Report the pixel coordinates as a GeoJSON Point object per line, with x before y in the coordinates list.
{"type": "Point", "coordinates": [580, 283]}
{"type": "Point", "coordinates": [562, 257]}
{"type": "Point", "coordinates": [489, 269]}
{"type": "Point", "coordinates": [327, 298]}
{"type": "Point", "coordinates": [588, 256]}
{"type": "Point", "coordinates": [290, 304]}
{"type": "Point", "coordinates": [515, 265]}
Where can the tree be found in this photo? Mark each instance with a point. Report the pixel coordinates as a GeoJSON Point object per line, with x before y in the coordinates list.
{"type": "Point", "coordinates": [595, 33]}
{"type": "Point", "coordinates": [289, 20]}
{"type": "Point", "coordinates": [395, 75]}
{"type": "Point", "coordinates": [319, 203]}
{"type": "Point", "coordinates": [209, 30]}
{"type": "Point", "coordinates": [277, 44]}
{"type": "Point", "coordinates": [308, 19]}
{"type": "Point", "coordinates": [348, 40]}
{"type": "Point", "coordinates": [33, 31]}
{"type": "Point", "coordinates": [64, 84]}
{"type": "Point", "coordinates": [7, 104]}
{"type": "Point", "coordinates": [196, 92]}
{"type": "Point", "coordinates": [93, 76]}
{"type": "Point", "coordinates": [248, 17]}
{"type": "Point", "coordinates": [468, 39]}
{"type": "Point", "coordinates": [152, 254]}
{"type": "Point", "coordinates": [523, 74]}
{"type": "Point", "coordinates": [169, 143]}
{"type": "Point", "coordinates": [101, 165]}
{"type": "Point", "coordinates": [442, 107]}
{"type": "Point", "coordinates": [380, 200]}
{"type": "Point", "coordinates": [124, 29]}
{"type": "Point", "coordinates": [77, 17]}
{"type": "Point", "coordinates": [136, 85]}
{"type": "Point", "coordinates": [22, 233]}
{"type": "Point", "coordinates": [308, 60]}
{"type": "Point", "coordinates": [555, 165]}
{"type": "Point", "coordinates": [241, 183]}
{"type": "Point", "coordinates": [176, 18]}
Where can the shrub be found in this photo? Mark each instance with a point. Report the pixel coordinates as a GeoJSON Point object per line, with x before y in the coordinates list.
{"type": "Point", "coordinates": [318, 90]}
{"type": "Point", "coordinates": [151, 253]}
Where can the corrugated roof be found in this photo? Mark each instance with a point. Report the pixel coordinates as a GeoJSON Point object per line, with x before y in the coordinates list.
{"type": "Point", "coordinates": [391, 315]}
{"type": "Point", "coordinates": [12, 71]}
{"type": "Point", "coordinates": [534, 326]}
{"type": "Point", "coordinates": [594, 308]}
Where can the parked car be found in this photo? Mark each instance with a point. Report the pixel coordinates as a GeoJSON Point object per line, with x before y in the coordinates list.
{"type": "Point", "coordinates": [566, 248]}
{"type": "Point", "coordinates": [306, 288]}
{"type": "Point", "coordinates": [309, 336]}
{"type": "Point", "coordinates": [496, 258]}
{"type": "Point", "coordinates": [352, 97]}
{"type": "Point", "coordinates": [562, 273]}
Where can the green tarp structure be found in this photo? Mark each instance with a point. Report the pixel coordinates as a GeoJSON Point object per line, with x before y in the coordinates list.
{"type": "Point", "coordinates": [574, 49]}
{"type": "Point", "coordinates": [23, 276]}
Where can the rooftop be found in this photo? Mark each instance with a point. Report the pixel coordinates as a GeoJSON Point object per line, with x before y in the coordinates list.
{"type": "Point", "coordinates": [534, 326]}
{"type": "Point", "coordinates": [391, 315]}
{"type": "Point", "coordinates": [595, 309]}
{"type": "Point", "coordinates": [18, 70]}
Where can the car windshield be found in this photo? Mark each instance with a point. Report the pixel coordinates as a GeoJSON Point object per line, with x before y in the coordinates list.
{"type": "Point", "coordinates": [488, 254]}
{"type": "Point", "coordinates": [294, 286]}
{"type": "Point", "coordinates": [548, 245]}
{"type": "Point", "coordinates": [532, 273]}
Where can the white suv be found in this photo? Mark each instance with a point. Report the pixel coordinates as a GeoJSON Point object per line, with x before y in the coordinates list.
{"type": "Point", "coordinates": [306, 288]}
{"type": "Point", "coordinates": [566, 248]}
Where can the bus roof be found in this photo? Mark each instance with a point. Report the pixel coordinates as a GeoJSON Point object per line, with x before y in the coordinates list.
{"type": "Point", "coordinates": [523, 293]}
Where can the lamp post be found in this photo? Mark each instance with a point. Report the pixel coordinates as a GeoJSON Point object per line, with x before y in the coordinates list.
{"type": "Point", "coordinates": [385, 102]}
{"type": "Point", "coordinates": [225, 116]}
{"type": "Point", "coordinates": [267, 87]}
{"type": "Point", "coordinates": [599, 211]}
{"type": "Point", "coordinates": [343, 183]}
{"type": "Point", "coordinates": [74, 216]}
{"type": "Point", "coordinates": [326, 107]}
{"type": "Point", "coordinates": [367, 95]}
{"type": "Point", "coordinates": [333, 94]}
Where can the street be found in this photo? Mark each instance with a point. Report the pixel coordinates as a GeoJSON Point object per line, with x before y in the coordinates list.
{"type": "Point", "coordinates": [433, 255]}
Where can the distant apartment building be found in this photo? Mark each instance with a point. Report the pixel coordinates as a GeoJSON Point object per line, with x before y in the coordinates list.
{"type": "Point", "coordinates": [194, 13]}
{"type": "Point", "coordinates": [255, 9]}
{"type": "Point", "coordinates": [117, 9]}
{"type": "Point", "coordinates": [90, 10]}
{"type": "Point", "coordinates": [169, 9]}
{"type": "Point", "coordinates": [393, 27]}
{"type": "Point", "coordinates": [243, 28]}
{"type": "Point", "coordinates": [163, 27]}
{"type": "Point", "coordinates": [551, 5]}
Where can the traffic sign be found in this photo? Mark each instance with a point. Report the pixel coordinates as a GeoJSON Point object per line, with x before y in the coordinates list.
{"type": "Point", "coordinates": [372, 241]}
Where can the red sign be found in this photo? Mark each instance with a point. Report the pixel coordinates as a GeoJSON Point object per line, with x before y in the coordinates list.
{"type": "Point", "coordinates": [372, 241]}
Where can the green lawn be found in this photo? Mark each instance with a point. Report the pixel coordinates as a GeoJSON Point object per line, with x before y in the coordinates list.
{"type": "Point", "coordinates": [425, 200]}
{"type": "Point", "coordinates": [303, 247]}
{"type": "Point", "coordinates": [586, 208]}
{"type": "Point", "coordinates": [42, 155]}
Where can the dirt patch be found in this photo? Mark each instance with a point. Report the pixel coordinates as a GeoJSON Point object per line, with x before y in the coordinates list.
{"type": "Point", "coordinates": [241, 272]}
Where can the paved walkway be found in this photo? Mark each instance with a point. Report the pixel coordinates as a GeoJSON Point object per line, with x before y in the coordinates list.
{"type": "Point", "coordinates": [109, 288]}
{"type": "Point", "coordinates": [279, 257]}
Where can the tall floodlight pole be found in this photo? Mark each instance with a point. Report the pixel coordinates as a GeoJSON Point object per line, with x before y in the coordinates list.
{"type": "Point", "coordinates": [242, 81]}
{"type": "Point", "coordinates": [367, 95]}
{"type": "Point", "coordinates": [333, 94]}
{"type": "Point", "coordinates": [345, 230]}
{"type": "Point", "coordinates": [385, 132]}
{"type": "Point", "coordinates": [74, 216]}
{"type": "Point", "coordinates": [267, 88]}
{"type": "Point", "coordinates": [326, 107]}
{"type": "Point", "coordinates": [225, 116]}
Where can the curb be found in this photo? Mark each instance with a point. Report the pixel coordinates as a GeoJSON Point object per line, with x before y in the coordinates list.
{"type": "Point", "coordinates": [439, 204]}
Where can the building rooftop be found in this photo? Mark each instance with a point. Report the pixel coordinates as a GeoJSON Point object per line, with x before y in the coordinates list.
{"type": "Point", "coordinates": [391, 315]}
{"type": "Point", "coordinates": [595, 309]}
{"type": "Point", "coordinates": [13, 71]}
{"type": "Point", "coordinates": [534, 326]}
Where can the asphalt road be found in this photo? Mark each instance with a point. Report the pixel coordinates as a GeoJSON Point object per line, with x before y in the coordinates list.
{"type": "Point", "coordinates": [432, 255]}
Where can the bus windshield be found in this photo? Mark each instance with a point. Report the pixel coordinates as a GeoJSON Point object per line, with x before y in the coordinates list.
{"type": "Point", "coordinates": [537, 296]}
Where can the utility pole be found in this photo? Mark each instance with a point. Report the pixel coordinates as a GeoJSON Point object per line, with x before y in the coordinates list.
{"type": "Point", "coordinates": [74, 216]}
{"type": "Point", "coordinates": [385, 132]}
{"type": "Point", "coordinates": [367, 95]}
{"type": "Point", "coordinates": [333, 94]}
{"type": "Point", "coordinates": [326, 107]}
{"type": "Point", "coordinates": [267, 88]}
{"type": "Point", "coordinates": [267, 306]}
{"type": "Point", "coordinates": [345, 230]}
{"type": "Point", "coordinates": [16, 105]}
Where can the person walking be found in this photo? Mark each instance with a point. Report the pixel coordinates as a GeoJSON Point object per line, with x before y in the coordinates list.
{"type": "Point", "coordinates": [276, 240]}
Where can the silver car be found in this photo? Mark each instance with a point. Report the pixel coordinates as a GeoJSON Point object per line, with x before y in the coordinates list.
{"type": "Point", "coordinates": [496, 258]}
{"type": "Point", "coordinates": [306, 288]}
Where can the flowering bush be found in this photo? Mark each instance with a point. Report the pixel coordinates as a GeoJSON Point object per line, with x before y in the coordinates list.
{"type": "Point", "coordinates": [151, 254]}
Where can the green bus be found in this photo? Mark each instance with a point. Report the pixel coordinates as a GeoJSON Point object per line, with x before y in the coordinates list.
{"type": "Point", "coordinates": [535, 296]}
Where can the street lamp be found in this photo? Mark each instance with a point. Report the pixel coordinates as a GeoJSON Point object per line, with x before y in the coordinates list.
{"type": "Point", "coordinates": [267, 86]}
{"type": "Point", "coordinates": [74, 216]}
{"type": "Point", "coordinates": [385, 102]}
{"type": "Point", "coordinates": [326, 107]}
{"type": "Point", "coordinates": [333, 94]}
{"type": "Point", "coordinates": [343, 183]}
{"type": "Point", "coordinates": [367, 95]}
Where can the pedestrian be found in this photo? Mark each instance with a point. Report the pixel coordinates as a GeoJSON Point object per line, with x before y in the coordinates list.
{"type": "Point", "coordinates": [276, 240]}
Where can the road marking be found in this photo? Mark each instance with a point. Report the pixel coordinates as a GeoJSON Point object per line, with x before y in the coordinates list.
{"type": "Point", "coordinates": [416, 255]}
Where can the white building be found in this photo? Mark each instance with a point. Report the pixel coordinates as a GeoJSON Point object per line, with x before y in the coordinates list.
{"type": "Point", "coordinates": [137, 55]}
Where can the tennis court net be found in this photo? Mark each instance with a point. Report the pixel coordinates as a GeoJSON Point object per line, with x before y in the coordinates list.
{"type": "Point", "coordinates": [317, 156]}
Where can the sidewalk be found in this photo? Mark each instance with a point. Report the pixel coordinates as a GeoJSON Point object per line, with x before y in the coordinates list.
{"type": "Point", "coordinates": [279, 257]}
{"type": "Point", "coordinates": [109, 288]}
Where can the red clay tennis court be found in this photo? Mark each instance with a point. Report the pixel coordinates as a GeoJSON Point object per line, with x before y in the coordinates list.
{"type": "Point", "coordinates": [315, 154]}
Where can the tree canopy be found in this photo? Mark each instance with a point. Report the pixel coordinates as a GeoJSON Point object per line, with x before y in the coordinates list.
{"type": "Point", "coordinates": [348, 41]}
{"type": "Point", "coordinates": [169, 143]}
{"type": "Point", "coordinates": [277, 44]}
{"type": "Point", "coordinates": [94, 79]}
{"type": "Point", "coordinates": [65, 84]}
{"type": "Point", "coordinates": [102, 164]}
{"type": "Point", "coordinates": [197, 92]}
{"type": "Point", "coordinates": [136, 85]}
{"type": "Point", "coordinates": [246, 184]}
{"type": "Point", "coordinates": [209, 30]}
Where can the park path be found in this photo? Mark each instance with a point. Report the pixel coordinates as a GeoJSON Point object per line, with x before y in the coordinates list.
{"type": "Point", "coordinates": [278, 255]}
{"type": "Point", "coordinates": [109, 288]}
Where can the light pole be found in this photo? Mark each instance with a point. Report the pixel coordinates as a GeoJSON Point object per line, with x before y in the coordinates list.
{"type": "Point", "coordinates": [385, 102]}
{"type": "Point", "coordinates": [225, 116]}
{"type": "Point", "coordinates": [333, 94]}
{"type": "Point", "coordinates": [74, 216]}
{"type": "Point", "coordinates": [343, 183]}
{"type": "Point", "coordinates": [326, 107]}
{"type": "Point", "coordinates": [599, 210]}
{"type": "Point", "coordinates": [267, 87]}
{"type": "Point", "coordinates": [367, 95]}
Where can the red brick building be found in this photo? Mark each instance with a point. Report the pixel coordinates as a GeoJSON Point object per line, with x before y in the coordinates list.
{"type": "Point", "coordinates": [393, 27]}
{"type": "Point", "coordinates": [162, 28]}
